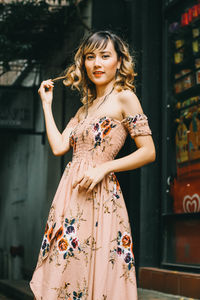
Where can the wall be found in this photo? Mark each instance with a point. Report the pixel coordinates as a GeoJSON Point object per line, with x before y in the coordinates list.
{"type": "Point", "coordinates": [140, 23]}
{"type": "Point", "coordinates": [151, 91]}
{"type": "Point", "coordinates": [23, 195]}
{"type": "Point", "coordinates": [30, 173]}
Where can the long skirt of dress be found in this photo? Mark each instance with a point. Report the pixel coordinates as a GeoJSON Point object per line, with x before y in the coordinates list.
{"type": "Point", "coordinates": [87, 248]}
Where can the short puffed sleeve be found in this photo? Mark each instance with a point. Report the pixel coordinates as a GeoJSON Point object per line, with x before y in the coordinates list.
{"type": "Point", "coordinates": [137, 125]}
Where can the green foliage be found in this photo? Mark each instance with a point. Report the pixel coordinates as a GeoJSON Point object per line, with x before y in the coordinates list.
{"type": "Point", "coordinates": [30, 30]}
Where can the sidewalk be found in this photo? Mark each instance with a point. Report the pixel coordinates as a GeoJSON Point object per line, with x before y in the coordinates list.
{"type": "Point", "coordinates": [154, 295]}
{"type": "Point", "coordinates": [20, 290]}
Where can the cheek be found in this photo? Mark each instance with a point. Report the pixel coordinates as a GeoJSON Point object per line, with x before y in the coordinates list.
{"type": "Point", "coordinates": [88, 68]}
{"type": "Point", "coordinates": [111, 66]}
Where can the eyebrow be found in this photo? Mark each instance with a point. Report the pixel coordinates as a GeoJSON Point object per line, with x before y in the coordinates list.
{"type": "Point", "coordinates": [102, 52]}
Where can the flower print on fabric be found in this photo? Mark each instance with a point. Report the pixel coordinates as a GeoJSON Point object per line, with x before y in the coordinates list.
{"type": "Point", "coordinates": [73, 140]}
{"type": "Point", "coordinates": [111, 202]}
{"type": "Point", "coordinates": [124, 250]}
{"type": "Point", "coordinates": [101, 129]}
{"type": "Point", "coordinates": [66, 238]}
{"type": "Point", "coordinates": [67, 245]}
{"type": "Point", "coordinates": [137, 125]}
{"type": "Point", "coordinates": [116, 187]}
{"type": "Point", "coordinates": [47, 239]}
{"type": "Point", "coordinates": [64, 292]}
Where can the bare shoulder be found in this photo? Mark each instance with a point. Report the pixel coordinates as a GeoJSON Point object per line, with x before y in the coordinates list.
{"type": "Point", "coordinates": [129, 102]}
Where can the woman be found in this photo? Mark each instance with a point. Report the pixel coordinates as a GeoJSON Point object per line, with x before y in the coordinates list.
{"type": "Point", "coordinates": [87, 248]}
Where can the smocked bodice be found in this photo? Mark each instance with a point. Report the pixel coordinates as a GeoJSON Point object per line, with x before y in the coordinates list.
{"type": "Point", "coordinates": [99, 139]}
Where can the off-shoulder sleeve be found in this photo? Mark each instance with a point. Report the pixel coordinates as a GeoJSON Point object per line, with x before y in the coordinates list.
{"type": "Point", "coordinates": [137, 125]}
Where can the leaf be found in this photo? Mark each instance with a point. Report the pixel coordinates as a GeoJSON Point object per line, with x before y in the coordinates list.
{"type": "Point", "coordinates": [72, 221]}
{"type": "Point", "coordinates": [119, 233]}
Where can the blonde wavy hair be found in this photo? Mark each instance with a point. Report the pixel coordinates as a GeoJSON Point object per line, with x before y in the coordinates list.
{"type": "Point", "coordinates": [76, 75]}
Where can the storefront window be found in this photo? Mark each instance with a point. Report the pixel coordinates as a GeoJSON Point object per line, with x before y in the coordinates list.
{"type": "Point", "coordinates": [181, 145]}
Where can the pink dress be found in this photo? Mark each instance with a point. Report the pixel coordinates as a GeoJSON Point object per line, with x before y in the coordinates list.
{"type": "Point", "coordinates": [87, 248]}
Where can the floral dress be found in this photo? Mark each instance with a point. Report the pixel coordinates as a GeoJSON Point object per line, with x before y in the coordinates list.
{"type": "Point", "coordinates": [87, 247]}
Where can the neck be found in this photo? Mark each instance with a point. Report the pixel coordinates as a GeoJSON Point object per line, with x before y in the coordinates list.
{"type": "Point", "coordinates": [104, 90]}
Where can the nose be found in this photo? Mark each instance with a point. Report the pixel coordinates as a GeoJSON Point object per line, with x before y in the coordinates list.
{"type": "Point", "coordinates": [97, 61]}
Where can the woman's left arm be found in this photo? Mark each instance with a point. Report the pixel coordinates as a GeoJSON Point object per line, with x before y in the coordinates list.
{"type": "Point", "coordinates": [145, 153]}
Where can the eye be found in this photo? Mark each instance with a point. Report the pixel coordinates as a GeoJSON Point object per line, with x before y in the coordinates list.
{"type": "Point", "coordinates": [105, 56]}
{"type": "Point", "coordinates": [89, 57]}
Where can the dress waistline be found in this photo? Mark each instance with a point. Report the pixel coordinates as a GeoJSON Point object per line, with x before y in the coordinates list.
{"type": "Point", "coordinates": [89, 160]}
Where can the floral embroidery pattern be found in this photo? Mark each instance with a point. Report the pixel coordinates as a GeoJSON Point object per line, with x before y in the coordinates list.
{"type": "Point", "coordinates": [133, 120]}
{"type": "Point", "coordinates": [80, 294]}
{"type": "Point", "coordinates": [124, 250]}
{"type": "Point", "coordinates": [67, 239]}
{"type": "Point", "coordinates": [112, 203]}
{"type": "Point", "coordinates": [137, 125]}
{"type": "Point", "coordinates": [73, 141]}
{"type": "Point", "coordinates": [101, 130]}
{"type": "Point", "coordinates": [67, 244]}
{"type": "Point", "coordinates": [47, 238]}
{"type": "Point", "coordinates": [116, 187]}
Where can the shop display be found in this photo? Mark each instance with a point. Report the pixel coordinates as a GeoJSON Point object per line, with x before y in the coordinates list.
{"type": "Point", "coordinates": [198, 77]}
{"type": "Point", "coordinates": [184, 83]}
{"type": "Point", "coordinates": [181, 154]}
{"type": "Point", "coordinates": [185, 71]}
{"type": "Point", "coordinates": [197, 63]}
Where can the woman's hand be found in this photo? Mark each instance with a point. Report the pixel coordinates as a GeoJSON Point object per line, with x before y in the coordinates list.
{"type": "Point", "coordinates": [46, 91]}
{"type": "Point", "coordinates": [91, 177]}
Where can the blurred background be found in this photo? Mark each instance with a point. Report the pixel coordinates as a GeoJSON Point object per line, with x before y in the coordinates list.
{"type": "Point", "coordinates": [37, 41]}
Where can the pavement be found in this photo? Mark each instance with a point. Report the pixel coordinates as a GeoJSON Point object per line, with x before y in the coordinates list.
{"type": "Point", "coordinates": [154, 295]}
{"type": "Point", "coordinates": [20, 290]}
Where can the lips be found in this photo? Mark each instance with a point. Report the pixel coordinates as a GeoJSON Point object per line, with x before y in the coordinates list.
{"type": "Point", "coordinates": [98, 73]}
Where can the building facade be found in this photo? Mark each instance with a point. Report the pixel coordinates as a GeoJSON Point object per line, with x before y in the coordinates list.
{"type": "Point", "coordinates": [162, 198]}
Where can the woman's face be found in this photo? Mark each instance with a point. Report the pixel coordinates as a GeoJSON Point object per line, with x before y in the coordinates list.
{"type": "Point", "coordinates": [101, 65]}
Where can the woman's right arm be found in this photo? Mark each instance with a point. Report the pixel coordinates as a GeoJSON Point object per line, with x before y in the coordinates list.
{"type": "Point", "coordinates": [59, 143]}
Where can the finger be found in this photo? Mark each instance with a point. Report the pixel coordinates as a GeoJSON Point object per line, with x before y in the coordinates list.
{"type": "Point", "coordinates": [84, 184]}
{"type": "Point", "coordinates": [49, 81]}
{"type": "Point", "coordinates": [76, 182]}
{"type": "Point", "coordinates": [91, 187]}
{"type": "Point", "coordinates": [47, 84]}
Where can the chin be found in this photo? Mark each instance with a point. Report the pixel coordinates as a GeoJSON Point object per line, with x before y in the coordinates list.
{"type": "Point", "coordinates": [101, 81]}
